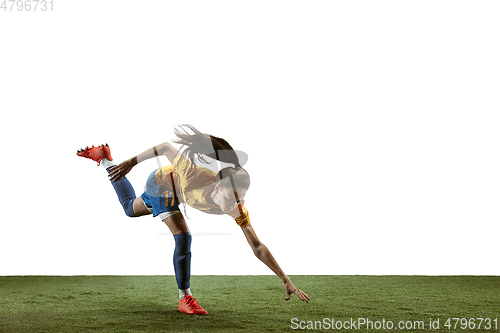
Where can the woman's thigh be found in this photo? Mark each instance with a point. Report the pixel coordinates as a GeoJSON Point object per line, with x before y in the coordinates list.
{"type": "Point", "coordinates": [176, 223]}
{"type": "Point", "coordinates": [140, 208]}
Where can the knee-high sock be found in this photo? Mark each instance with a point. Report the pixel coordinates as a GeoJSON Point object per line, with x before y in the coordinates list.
{"type": "Point", "coordinates": [182, 259]}
{"type": "Point", "coordinates": [126, 194]}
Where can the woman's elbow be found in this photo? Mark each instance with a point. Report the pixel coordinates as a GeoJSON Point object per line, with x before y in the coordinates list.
{"type": "Point", "coordinates": [258, 249]}
{"type": "Point", "coordinates": [164, 148]}
{"type": "Point", "coordinates": [169, 151]}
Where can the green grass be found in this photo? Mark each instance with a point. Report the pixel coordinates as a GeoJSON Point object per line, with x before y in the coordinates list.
{"type": "Point", "coordinates": [237, 303]}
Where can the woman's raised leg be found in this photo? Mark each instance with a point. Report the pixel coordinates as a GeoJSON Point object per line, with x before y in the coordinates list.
{"type": "Point", "coordinates": [123, 188]}
{"type": "Point", "coordinates": [139, 208]}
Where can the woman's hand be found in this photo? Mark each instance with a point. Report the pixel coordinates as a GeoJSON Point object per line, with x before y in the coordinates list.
{"type": "Point", "coordinates": [235, 210]}
{"type": "Point", "coordinates": [291, 289]}
{"type": "Point", "coordinates": [119, 171]}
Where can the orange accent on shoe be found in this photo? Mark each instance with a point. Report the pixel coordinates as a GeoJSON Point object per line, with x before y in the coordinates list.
{"type": "Point", "coordinates": [190, 305]}
{"type": "Point", "coordinates": [96, 153]}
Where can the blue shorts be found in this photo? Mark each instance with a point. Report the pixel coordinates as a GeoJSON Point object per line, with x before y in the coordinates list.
{"type": "Point", "coordinates": [160, 198]}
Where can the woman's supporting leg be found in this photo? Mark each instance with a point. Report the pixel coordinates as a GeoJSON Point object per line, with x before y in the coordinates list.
{"type": "Point", "coordinates": [182, 263]}
{"type": "Point", "coordinates": [182, 251]}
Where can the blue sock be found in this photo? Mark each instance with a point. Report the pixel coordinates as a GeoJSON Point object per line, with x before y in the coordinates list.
{"type": "Point", "coordinates": [126, 194]}
{"type": "Point", "coordinates": [182, 259]}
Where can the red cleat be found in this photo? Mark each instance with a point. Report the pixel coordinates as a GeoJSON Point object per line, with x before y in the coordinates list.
{"type": "Point", "coordinates": [96, 153]}
{"type": "Point", "coordinates": [190, 305]}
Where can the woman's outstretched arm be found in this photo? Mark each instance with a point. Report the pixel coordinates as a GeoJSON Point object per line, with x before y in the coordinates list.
{"type": "Point", "coordinates": [119, 171]}
{"type": "Point", "coordinates": [162, 149]}
{"type": "Point", "coordinates": [263, 253]}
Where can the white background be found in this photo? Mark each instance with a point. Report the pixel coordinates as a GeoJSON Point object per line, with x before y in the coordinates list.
{"type": "Point", "coordinates": [372, 129]}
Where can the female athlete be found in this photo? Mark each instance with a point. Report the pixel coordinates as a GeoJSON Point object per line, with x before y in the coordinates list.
{"type": "Point", "coordinates": [200, 188]}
